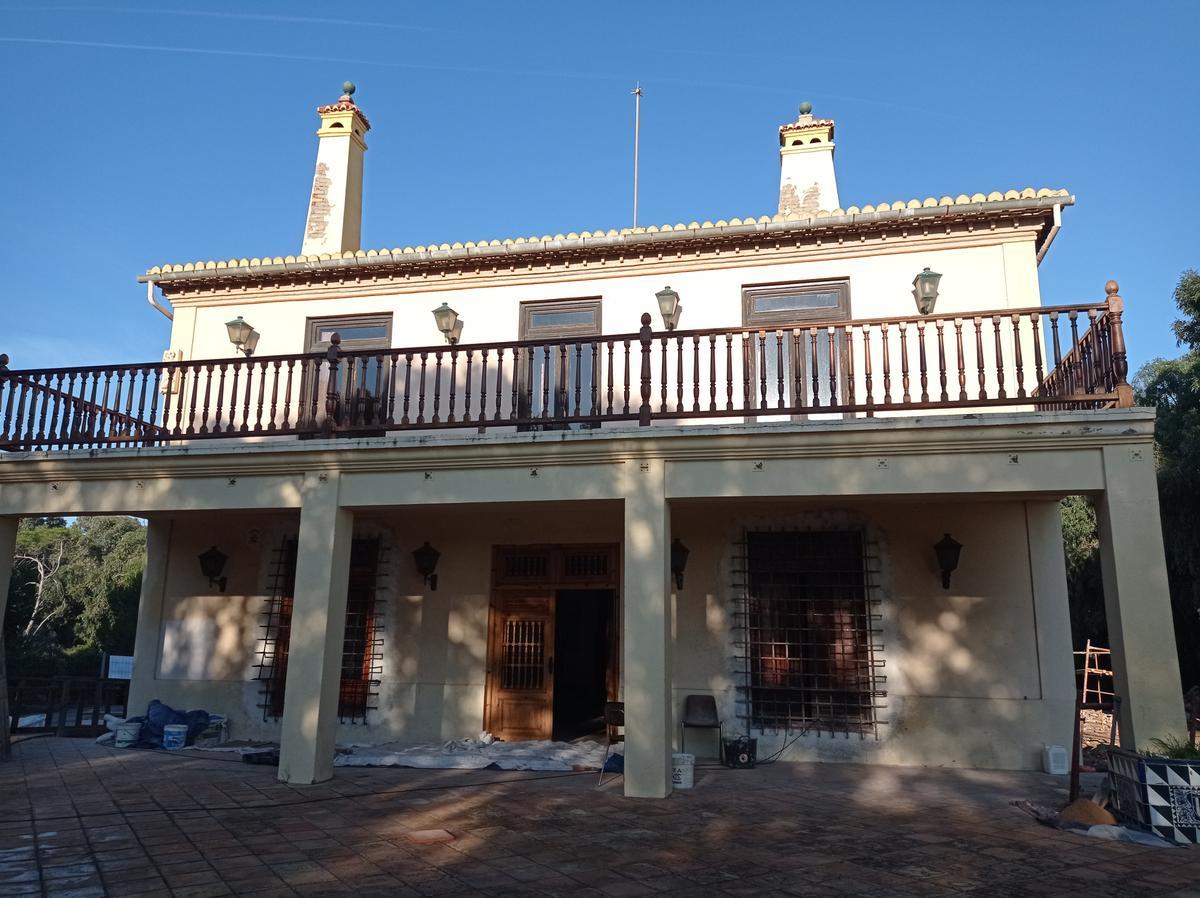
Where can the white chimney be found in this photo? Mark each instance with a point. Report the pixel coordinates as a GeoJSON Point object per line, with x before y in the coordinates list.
{"type": "Point", "coordinates": [806, 179]}
{"type": "Point", "coordinates": [335, 209]}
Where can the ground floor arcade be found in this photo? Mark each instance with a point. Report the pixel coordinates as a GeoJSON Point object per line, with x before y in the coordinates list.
{"type": "Point", "coordinates": [811, 605]}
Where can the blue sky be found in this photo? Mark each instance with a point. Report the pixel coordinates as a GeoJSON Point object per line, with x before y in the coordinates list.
{"type": "Point", "coordinates": [138, 134]}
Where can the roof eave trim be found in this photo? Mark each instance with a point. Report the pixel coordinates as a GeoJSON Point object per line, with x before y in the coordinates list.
{"type": "Point", "coordinates": [617, 240]}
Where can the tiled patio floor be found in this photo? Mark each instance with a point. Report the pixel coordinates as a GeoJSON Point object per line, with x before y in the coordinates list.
{"type": "Point", "coordinates": [80, 820]}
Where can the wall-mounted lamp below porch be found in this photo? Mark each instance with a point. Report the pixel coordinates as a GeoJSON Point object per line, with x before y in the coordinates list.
{"type": "Point", "coordinates": [669, 307]}
{"type": "Point", "coordinates": [426, 558]}
{"type": "Point", "coordinates": [243, 337]}
{"type": "Point", "coordinates": [947, 550]}
{"type": "Point", "coordinates": [679, 560]}
{"type": "Point", "coordinates": [448, 323]}
{"type": "Point", "coordinates": [925, 290]}
{"type": "Point", "coordinates": [212, 566]}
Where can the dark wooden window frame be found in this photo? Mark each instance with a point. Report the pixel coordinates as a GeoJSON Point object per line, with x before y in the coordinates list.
{"type": "Point", "coordinates": [789, 319]}
{"type": "Point", "coordinates": [313, 326]}
{"type": "Point", "coordinates": [528, 331]}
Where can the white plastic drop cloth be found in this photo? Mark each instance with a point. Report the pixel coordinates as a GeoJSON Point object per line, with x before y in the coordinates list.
{"type": "Point", "coordinates": [473, 754]}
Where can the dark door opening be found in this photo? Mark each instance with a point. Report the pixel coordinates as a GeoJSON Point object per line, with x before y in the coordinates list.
{"type": "Point", "coordinates": [583, 631]}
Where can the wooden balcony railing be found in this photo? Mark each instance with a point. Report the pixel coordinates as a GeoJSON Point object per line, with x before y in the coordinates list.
{"type": "Point", "coordinates": [1059, 357]}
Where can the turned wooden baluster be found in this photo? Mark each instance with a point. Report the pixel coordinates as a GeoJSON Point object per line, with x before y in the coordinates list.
{"type": "Point", "coordinates": [848, 339]}
{"type": "Point", "coordinates": [887, 363]}
{"type": "Point", "coordinates": [1001, 393]}
{"type": "Point", "coordinates": [815, 366]}
{"type": "Point", "coordinates": [981, 373]}
{"type": "Point", "coordinates": [962, 361]}
{"type": "Point", "coordinates": [1120, 358]}
{"type": "Point", "coordinates": [906, 396]}
{"type": "Point", "coordinates": [645, 337]}
{"type": "Point", "coordinates": [406, 398]}
{"type": "Point", "coordinates": [1017, 356]}
{"type": "Point", "coordinates": [421, 389]}
{"type": "Point", "coordinates": [436, 417]}
{"type": "Point", "coordinates": [833, 365]}
{"type": "Point", "coordinates": [331, 386]}
{"type": "Point", "coordinates": [922, 361]}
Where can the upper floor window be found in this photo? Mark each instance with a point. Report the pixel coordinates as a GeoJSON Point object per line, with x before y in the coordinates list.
{"type": "Point", "coordinates": [360, 381]}
{"type": "Point", "coordinates": [790, 304]}
{"type": "Point", "coordinates": [559, 379]}
{"type": "Point", "coordinates": [356, 331]}
{"type": "Point", "coordinates": [793, 360]}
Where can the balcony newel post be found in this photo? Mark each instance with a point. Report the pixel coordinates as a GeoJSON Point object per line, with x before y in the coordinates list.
{"type": "Point", "coordinates": [1120, 358]}
{"type": "Point", "coordinates": [646, 336]}
{"type": "Point", "coordinates": [331, 386]}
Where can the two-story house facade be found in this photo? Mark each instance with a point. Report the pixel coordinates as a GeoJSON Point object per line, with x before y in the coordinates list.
{"type": "Point", "coordinates": [417, 493]}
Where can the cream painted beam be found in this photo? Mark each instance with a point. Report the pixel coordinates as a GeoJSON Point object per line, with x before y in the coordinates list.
{"type": "Point", "coordinates": [8, 548]}
{"type": "Point", "coordinates": [1137, 600]}
{"type": "Point", "coordinates": [148, 641]}
{"type": "Point", "coordinates": [149, 496]}
{"type": "Point", "coordinates": [959, 472]}
{"type": "Point", "coordinates": [647, 632]}
{"type": "Point", "coordinates": [1048, 578]}
{"type": "Point", "coordinates": [310, 702]}
{"type": "Point", "coordinates": [526, 483]}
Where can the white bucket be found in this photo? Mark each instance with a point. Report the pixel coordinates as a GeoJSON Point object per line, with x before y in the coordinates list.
{"type": "Point", "coordinates": [1055, 760]}
{"type": "Point", "coordinates": [683, 771]}
{"type": "Point", "coordinates": [128, 733]}
{"type": "Point", "coordinates": [174, 736]}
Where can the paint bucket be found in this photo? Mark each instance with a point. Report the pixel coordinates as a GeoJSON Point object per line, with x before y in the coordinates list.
{"type": "Point", "coordinates": [174, 736]}
{"type": "Point", "coordinates": [683, 771]}
{"type": "Point", "coordinates": [128, 733]}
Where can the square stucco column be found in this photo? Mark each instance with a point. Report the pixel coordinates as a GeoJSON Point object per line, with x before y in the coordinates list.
{"type": "Point", "coordinates": [8, 548]}
{"type": "Point", "coordinates": [310, 701]}
{"type": "Point", "coordinates": [1137, 600]}
{"type": "Point", "coordinates": [647, 632]}
{"type": "Point", "coordinates": [149, 620]}
{"type": "Point", "coordinates": [1051, 605]}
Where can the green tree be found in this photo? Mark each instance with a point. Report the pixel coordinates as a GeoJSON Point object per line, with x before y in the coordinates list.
{"type": "Point", "coordinates": [1085, 589]}
{"type": "Point", "coordinates": [1172, 386]}
{"type": "Point", "coordinates": [73, 594]}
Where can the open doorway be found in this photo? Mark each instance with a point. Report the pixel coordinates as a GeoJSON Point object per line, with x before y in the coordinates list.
{"type": "Point", "coordinates": [553, 647]}
{"type": "Point", "coordinates": [583, 622]}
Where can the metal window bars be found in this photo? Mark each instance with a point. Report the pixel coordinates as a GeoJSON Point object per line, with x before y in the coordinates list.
{"type": "Point", "coordinates": [362, 647]}
{"type": "Point", "coordinates": [806, 634]}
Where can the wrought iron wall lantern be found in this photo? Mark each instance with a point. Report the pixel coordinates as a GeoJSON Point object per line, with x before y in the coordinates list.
{"type": "Point", "coordinates": [947, 550]}
{"type": "Point", "coordinates": [925, 290]}
{"type": "Point", "coordinates": [679, 560]}
{"type": "Point", "coordinates": [448, 323]}
{"type": "Point", "coordinates": [669, 307]}
{"type": "Point", "coordinates": [426, 558]}
{"type": "Point", "coordinates": [212, 566]}
{"type": "Point", "coordinates": [243, 337]}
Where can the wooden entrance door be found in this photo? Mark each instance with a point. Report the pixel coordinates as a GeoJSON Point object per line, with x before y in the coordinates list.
{"type": "Point", "coordinates": [521, 676]}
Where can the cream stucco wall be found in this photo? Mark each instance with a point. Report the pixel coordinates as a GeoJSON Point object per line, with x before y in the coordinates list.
{"type": "Point", "coordinates": [977, 274]}
{"type": "Point", "coordinates": [978, 675]}
{"type": "Point", "coordinates": [966, 679]}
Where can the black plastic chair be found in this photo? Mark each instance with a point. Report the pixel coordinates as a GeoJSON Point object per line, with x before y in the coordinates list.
{"type": "Point", "coordinates": [614, 719]}
{"type": "Point", "coordinates": [700, 713]}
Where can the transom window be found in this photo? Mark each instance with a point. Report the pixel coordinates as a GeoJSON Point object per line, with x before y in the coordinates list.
{"type": "Point", "coordinates": [356, 331]}
{"type": "Point", "coordinates": [565, 318]}
{"type": "Point", "coordinates": [793, 303]}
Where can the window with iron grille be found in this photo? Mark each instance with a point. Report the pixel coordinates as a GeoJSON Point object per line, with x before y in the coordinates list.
{"type": "Point", "coordinates": [811, 638]}
{"type": "Point", "coordinates": [362, 641]}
